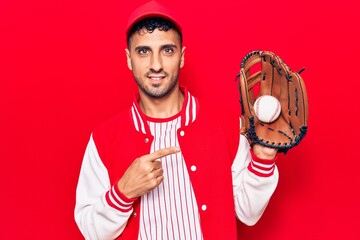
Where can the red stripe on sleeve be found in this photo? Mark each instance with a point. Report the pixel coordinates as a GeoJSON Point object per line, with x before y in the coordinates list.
{"type": "Point", "coordinates": [118, 200]}
{"type": "Point", "coordinates": [265, 165]}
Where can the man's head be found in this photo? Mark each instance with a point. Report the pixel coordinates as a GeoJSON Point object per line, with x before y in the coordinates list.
{"type": "Point", "coordinates": [155, 53]}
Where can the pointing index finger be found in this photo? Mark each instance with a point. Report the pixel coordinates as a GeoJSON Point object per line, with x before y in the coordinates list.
{"type": "Point", "coordinates": [161, 153]}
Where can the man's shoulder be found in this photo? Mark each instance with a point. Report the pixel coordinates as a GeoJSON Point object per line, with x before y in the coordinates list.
{"type": "Point", "coordinates": [114, 124]}
{"type": "Point", "coordinates": [220, 114]}
{"type": "Point", "coordinates": [217, 116]}
{"type": "Point", "coordinates": [223, 121]}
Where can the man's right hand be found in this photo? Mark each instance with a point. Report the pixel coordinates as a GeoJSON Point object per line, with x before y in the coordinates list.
{"type": "Point", "coordinates": [144, 174]}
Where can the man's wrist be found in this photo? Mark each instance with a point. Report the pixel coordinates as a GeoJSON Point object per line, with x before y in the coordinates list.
{"type": "Point", "coordinates": [264, 152]}
{"type": "Point", "coordinates": [124, 193]}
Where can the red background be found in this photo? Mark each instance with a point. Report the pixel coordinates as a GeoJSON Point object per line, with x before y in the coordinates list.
{"type": "Point", "coordinates": [63, 71]}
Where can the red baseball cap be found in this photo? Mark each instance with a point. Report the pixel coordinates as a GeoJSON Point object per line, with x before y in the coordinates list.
{"type": "Point", "coordinates": [152, 9]}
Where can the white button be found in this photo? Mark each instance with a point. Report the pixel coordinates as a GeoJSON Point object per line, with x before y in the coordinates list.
{"type": "Point", "coordinates": [182, 133]}
{"type": "Point", "coordinates": [146, 140]}
{"type": "Point", "coordinates": [193, 168]}
{"type": "Point", "coordinates": [203, 207]}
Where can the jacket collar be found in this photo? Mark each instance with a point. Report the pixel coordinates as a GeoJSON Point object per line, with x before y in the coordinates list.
{"type": "Point", "coordinates": [188, 113]}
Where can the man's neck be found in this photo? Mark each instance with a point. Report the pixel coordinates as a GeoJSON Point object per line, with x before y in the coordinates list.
{"type": "Point", "coordinates": [164, 107]}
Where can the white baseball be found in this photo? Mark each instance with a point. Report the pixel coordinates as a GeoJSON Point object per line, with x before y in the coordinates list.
{"type": "Point", "coordinates": [267, 108]}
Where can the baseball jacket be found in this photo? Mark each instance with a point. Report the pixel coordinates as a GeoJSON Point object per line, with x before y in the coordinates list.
{"type": "Point", "coordinates": [229, 181]}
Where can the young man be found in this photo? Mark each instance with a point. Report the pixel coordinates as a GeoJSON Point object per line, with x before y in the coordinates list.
{"type": "Point", "coordinates": [167, 168]}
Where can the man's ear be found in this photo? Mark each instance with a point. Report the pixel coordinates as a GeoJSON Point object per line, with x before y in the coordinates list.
{"type": "Point", "coordinates": [182, 61]}
{"type": "Point", "coordinates": [128, 58]}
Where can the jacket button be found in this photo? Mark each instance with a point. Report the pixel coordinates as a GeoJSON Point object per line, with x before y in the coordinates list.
{"type": "Point", "coordinates": [193, 168]}
{"type": "Point", "coordinates": [203, 207]}
{"type": "Point", "coordinates": [182, 133]}
{"type": "Point", "coordinates": [146, 140]}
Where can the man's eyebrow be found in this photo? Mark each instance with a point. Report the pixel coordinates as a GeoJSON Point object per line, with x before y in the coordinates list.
{"type": "Point", "coordinates": [142, 48]}
{"type": "Point", "coordinates": [170, 45]}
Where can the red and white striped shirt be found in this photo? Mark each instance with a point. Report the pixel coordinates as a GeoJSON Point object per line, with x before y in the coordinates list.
{"type": "Point", "coordinates": [169, 211]}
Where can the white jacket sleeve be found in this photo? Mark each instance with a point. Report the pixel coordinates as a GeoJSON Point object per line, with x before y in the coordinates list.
{"type": "Point", "coordinates": [254, 182]}
{"type": "Point", "coordinates": [101, 212]}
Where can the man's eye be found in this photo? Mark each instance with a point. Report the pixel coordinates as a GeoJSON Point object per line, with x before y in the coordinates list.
{"type": "Point", "coordinates": [143, 51]}
{"type": "Point", "coordinates": [168, 50]}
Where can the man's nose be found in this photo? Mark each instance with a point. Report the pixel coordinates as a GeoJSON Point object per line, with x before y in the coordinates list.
{"type": "Point", "coordinates": [156, 63]}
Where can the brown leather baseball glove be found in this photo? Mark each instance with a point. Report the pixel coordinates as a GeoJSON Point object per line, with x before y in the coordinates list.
{"type": "Point", "coordinates": [274, 78]}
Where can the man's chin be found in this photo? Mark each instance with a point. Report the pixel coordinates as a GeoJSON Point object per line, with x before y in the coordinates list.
{"type": "Point", "coordinates": [156, 92]}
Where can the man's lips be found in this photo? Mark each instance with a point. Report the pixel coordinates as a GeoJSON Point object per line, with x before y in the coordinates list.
{"type": "Point", "coordinates": [156, 78]}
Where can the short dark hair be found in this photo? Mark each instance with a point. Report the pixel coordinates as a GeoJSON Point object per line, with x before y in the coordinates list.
{"type": "Point", "coordinates": [151, 24]}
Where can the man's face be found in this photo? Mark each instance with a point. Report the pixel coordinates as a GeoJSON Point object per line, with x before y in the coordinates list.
{"type": "Point", "coordinates": [155, 60]}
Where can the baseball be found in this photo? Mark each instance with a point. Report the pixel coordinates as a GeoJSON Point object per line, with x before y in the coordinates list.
{"type": "Point", "coordinates": [267, 108]}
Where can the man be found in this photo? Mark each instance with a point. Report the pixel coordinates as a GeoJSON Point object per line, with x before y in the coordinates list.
{"type": "Point", "coordinates": [167, 168]}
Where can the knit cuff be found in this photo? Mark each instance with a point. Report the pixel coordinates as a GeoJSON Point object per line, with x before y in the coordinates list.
{"type": "Point", "coordinates": [118, 200]}
{"type": "Point", "coordinates": [261, 167]}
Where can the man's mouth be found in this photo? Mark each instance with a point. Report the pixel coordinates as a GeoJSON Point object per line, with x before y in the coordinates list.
{"type": "Point", "coordinates": [156, 78]}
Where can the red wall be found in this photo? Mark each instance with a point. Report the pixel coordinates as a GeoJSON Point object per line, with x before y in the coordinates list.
{"type": "Point", "coordinates": [63, 71]}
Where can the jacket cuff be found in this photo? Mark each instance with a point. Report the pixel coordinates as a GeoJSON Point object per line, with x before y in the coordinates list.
{"type": "Point", "coordinates": [261, 167]}
{"type": "Point", "coordinates": [118, 200]}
